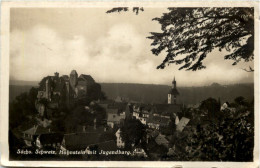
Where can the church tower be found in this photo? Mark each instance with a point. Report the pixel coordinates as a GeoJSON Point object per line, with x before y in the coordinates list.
{"type": "Point", "coordinates": [173, 93]}
{"type": "Point", "coordinates": [48, 89]}
{"type": "Point", "coordinates": [73, 78]}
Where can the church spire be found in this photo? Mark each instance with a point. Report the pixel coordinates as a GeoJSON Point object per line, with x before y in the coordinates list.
{"type": "Point", "coordinates": [173, 93]}
{"type": "Point", "coordinates": [174, 83]}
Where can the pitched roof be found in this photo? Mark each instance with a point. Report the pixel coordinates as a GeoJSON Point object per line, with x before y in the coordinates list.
{"type": "Point", "coordinates": [36, 130]}
{"type": "Point", "coordinates": [167, 108]}
{"type": "Point", "coordinates": [160, 139]}
{"type": "Point", "coordinates": [107, 146]}
{"type": "Point", "coordinates": [50, 138]}
{"type": "Point", "coordinates": [182, 124]}
{"type": "Point", "coordinates": [80, 140]}
{"type": "Point", "coordinates": [87, 78]}
{"type": "Point", "coordinates": [73, 72]}
{"type": "Point", "coordinates": [158, 120]}
{"type": "Point", "coordinates": [114, 117]}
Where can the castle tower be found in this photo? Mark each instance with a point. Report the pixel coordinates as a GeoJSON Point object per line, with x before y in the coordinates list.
{"type": "Point", "coordinates": [73, 79]}
{"type": "Point", "coordinates": [56, 74]}
{"type": "Point", "coordinates": [173, 93]}
{"type": "Point", "coordinates": [48, 89]}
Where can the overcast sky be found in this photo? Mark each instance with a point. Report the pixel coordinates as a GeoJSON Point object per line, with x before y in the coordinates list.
{"type": "Point", "coordinates": [109, 47]}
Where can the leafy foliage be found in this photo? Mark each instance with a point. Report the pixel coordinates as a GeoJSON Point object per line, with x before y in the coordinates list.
{"type": "Point", "coordinates": [124, 9]}
{"type": "Point", "coordinates": [190, 34]}
{"type": "Point", "coordinates": [195, 32]}
{"type": "Point", "coordinates": [228, 138]}
{"type": "Point", "coordinates": [210, 108]}
{"type": "Point", "coordinates": [132, 132]}
{"type": "Point", "coordinates": [22, 107]}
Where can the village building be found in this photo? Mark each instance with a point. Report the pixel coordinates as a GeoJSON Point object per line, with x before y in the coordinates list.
{"type": "Point", "coordinates": [115, 118]}
{"type": "Point", "coordinates": [85, 128]}
{"type": "Point", "coordinates": [182, 124]}
{"type": "Point", "coordinates": [119, 141]}
{"type": "Point", "coordinates": [173, 93]}
{"type": "Point", "coordinates": [83, 141]}
{"type": "Point", "coordinates": [226, 107]}
{"type": "Point", "coordinates": [30, 135]}
{"type": "Point", "coordinates": [50, 140]}
{"type": "Point", "coordinates": [102, 146]}
{"type": "Point", "coordinates": [78, 141]}
{"type": "Point", "coordinates": [156, 115]}
{"type": "Point", "coordinates": [142, 112]}
{"type": "Point", "coordinates": [156, 122]}
{"type": "Point", "coordinates": [139, 151]}
{"type": "Point", "coordinates": [161, 140]}
{"type": "Point", "coordinates": [65, 90]}
{"type": "Point", "coordinates": [177, 120]}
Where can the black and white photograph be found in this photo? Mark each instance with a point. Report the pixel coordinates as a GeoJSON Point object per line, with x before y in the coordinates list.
{"type": "Point", "coordinates": [132, 83]}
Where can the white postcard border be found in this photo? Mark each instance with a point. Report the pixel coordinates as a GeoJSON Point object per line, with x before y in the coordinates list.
{"type": "Point", "coordinates": [4, 83]}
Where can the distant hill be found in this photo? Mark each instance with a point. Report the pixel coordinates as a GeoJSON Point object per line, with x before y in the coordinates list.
{"type": "Point", "coordinates": [148, 93]}
{"type": "Point", "coordinates": [23, 83]}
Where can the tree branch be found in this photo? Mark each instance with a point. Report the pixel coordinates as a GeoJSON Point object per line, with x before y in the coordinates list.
{"type": "Point", "coordinates": [250, 69]}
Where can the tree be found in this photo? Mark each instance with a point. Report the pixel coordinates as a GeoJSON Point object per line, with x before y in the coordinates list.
{"type": "Point", "coordinates": [124, 9]}
{"type": "Point", "coordinates": [132, 132]}
{"type": "Point", "coordinates": [190, 34]}
{"type": "Point", "coordinates": [210, 107]}
{"type": "Point", "coordinates": [22, 107]}
{"type": "Point", "coordinates": [240, 100]}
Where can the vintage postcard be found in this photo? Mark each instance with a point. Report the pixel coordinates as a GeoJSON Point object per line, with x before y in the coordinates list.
{"type": "Point", "coordinates": [131, 84]}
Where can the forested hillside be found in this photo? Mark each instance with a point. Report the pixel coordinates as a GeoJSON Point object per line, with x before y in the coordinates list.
{"type": "Point", "coordinates": [188, 95]}
{"type": "Point", "coordinates": [148, 93]}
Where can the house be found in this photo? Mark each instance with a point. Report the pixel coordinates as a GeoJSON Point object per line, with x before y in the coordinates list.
{"type": "Point", "coordinates": [167, 109]}
{"type": "Point", "coordinates": [182, 124]}
{"type": "Point", "coordinates": [161, 140]}
{"type": "Point", "coordinates": [114, 119]}
{"type": "Point", "coordinates": [142, 112]}
{"type": "Point", "coordinates": [119, 141]}
{"type": "Point", "coordinates": [139, 151]}
{"type": "Point", "coordinates": [31, 134]}
{"type": "Point", "coordinates": [156, 122]}
{"type": "Point", "coordinates": [142, 116]}
{"type": "Point", "coordinates": [102, 146]}
{"type": "Point", "coordinates": [51, 140]}
{"type": "Point", "coordinates": [226, 107]}
{"type": "Point", "coordinates": [79, 141]}
{"type": "Point", "coordinates": [177, 120]}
